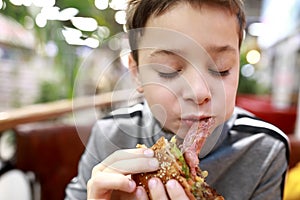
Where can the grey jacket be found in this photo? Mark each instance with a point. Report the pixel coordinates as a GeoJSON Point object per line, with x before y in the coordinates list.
{"type": "Point", "coordinates": [246, 158]}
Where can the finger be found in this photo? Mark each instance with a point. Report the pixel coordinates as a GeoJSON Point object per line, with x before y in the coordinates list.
{"type": "Point", "coordinates": [133, 166]}
{"type": "Point", "coordinates": [138, 194]}
{"type": "Point", "coordinates": [125, 154]}
{"type": "Point", "coordinates": [157, 190]}
{"type": "Point", "coordinates": [103, 182]}
{"type": "Point", "coordinates": [175, 190]}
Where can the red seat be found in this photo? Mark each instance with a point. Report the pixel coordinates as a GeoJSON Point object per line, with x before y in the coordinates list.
{"type": "Point", "coordinates": [52, 153]}
{"type": "Point", "coordinates": [261, 106]}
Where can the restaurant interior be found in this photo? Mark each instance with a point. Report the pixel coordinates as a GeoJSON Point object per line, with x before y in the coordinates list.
{"type": "Point", "coordinates": [53, 86]}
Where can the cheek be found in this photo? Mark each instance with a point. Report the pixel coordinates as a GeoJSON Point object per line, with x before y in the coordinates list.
{"type": "Point", "coordinates": [230, 103]}
{"type": "Point", "coordinates": [230, 97]}
{"type": "Point", "coordinates": [224, 95]}
{"type": "Point", "coordinates": [161, 100]}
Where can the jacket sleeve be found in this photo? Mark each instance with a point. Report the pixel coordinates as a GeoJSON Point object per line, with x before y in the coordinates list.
{"type": "Point", "coordinates": [97, 149]}
{"type": "Point", "coordinates": [272, 182]}
{"type": "Point", "coordinates": [273, 165]}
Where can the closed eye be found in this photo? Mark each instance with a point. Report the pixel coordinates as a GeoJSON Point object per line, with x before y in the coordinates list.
{"type": "Point", "coordinates": [169, 75]}
{"type": "Point", "coordinates": [219, 73]}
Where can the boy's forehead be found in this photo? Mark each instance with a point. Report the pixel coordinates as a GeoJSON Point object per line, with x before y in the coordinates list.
{"type": "Point", "coordinates": [182, 29]}
{"type": "Point", "coordinates": [159, 41]}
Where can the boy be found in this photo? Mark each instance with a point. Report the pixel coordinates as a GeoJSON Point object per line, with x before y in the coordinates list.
{"type": "Point", "coordinates": [185, 60]}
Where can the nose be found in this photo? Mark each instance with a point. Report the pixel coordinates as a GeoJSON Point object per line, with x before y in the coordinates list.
{"type": "Point", "coordinates": [196, 88]}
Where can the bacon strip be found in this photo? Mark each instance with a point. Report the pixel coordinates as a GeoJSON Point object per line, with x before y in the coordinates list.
{"type": "Point", "coordinates": [194, 141]}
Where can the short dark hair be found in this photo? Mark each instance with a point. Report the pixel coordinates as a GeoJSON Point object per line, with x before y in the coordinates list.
{"type": "Point", "coordinates": [139, 12]}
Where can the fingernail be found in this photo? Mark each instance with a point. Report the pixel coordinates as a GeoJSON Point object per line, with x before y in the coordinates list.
{"type": "Point", "coordinates": [152, 183]}
{"type": "Point", "coordinates": [139, 193]}
{"type": "Point", "coordinates": [131, 184]}
{"type": "Point", "coordinates": [149, 153]}
{"type": "Point", "coordinates": [154, 163]}
{"type": "Point", "coordinates": [171, 184]}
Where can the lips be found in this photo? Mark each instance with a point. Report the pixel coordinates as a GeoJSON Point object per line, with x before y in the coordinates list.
{"type": "Point", "coordinates": [192, 119]}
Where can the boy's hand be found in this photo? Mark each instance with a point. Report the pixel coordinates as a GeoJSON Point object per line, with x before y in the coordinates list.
{"type": "Point", "coordinates": [174, 190]}
{"type": "Point", "coordinates": [157, 191]}
{"type": "Point", "coordinates": [111, 178]}
{"type": "Point", "coordinates": [113, 173]}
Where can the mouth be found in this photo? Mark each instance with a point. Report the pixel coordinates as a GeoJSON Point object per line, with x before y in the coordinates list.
{"type": "Point", "coordinates": [192, 119]}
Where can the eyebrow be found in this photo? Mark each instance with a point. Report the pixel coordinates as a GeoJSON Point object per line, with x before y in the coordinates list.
{"type": "Point", "coordinates": [172, 52]}
{"type": "Point", "coordinates": [215, 49]}
{"type": "Point", "coordinates": [220, 49]}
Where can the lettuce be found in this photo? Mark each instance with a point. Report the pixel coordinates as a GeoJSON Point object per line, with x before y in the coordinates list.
{"type": "Point", "coordinates": [179, 155]}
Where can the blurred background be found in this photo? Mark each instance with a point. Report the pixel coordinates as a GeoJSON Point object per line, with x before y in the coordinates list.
{"type": "Point", "coordinates": [61, 59]}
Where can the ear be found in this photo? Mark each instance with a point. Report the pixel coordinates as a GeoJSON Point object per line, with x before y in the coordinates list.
{"type": "Point", "coordinates": [134, 70]}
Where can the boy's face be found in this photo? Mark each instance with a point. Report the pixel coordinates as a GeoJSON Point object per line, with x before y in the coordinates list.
{"type": "Point", "coordinates": [189, 65]}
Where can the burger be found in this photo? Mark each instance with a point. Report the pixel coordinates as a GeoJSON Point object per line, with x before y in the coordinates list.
{"type": "Point", "coordinates": [180, 162]}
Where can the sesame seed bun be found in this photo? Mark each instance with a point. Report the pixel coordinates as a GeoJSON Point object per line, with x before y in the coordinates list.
{"type": "Point", "coordinates": [173, 166]}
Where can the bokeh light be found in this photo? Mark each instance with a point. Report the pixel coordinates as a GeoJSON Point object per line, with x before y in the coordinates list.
{"type": "Point", "coordinates": [101, 4]}
{"type": "Point", "coordinates": [248, 70]}
{"type": "Point", "coordinates": [85, 23]}
{"type": "Point", "coordinates": [253, 57]}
